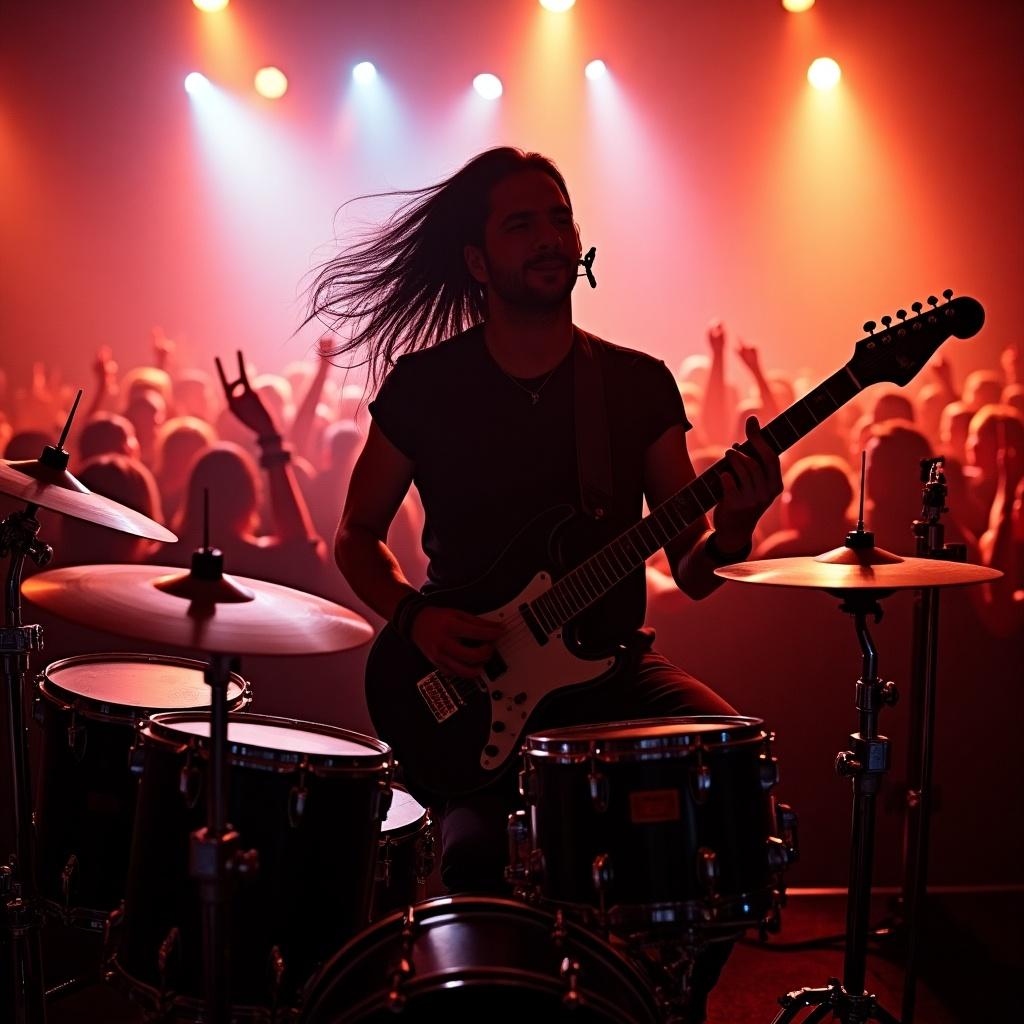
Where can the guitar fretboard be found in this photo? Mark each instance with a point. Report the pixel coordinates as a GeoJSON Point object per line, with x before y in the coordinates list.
{"type": "Point", "coordinates": [591, 580]}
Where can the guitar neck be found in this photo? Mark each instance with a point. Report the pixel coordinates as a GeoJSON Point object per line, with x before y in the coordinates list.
{"type": "Point", "coordinates": [590, 581]}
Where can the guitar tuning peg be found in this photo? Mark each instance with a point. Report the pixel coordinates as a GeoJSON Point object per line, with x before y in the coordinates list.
{"type": "Point", "coordinates": [901, 313]}
{"type": "Point", "coordinates": [870, 326]}
{"type": "Point", "coordinates": [932, 301]}
{"type": "Point", "coordinates": [948, 294]}
{"type": "Point", "coordinates": [886, 320]}
{"type": "Point", "coordinates": [917, 307]}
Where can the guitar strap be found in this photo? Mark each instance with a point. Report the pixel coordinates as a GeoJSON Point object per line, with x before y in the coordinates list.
{"type": "Point", "coordinates": [593, 442]}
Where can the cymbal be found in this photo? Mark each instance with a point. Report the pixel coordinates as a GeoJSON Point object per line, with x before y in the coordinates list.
{"type": "Point", "coordinates": [850, 569]}
{"type": "Point", "coordinates": [218, 616]}
{"type": "Point", "coordinates": [32, 481]}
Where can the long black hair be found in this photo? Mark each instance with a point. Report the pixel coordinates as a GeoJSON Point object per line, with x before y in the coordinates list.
{"type": "Point", "coordinates": [405, 286]}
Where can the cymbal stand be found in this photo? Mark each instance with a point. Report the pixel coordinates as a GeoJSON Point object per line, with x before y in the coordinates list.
{"type": "Point", "coordinates": [929, 534]}
{"type": "Point", "coordinates": [864, 763]}
{"type": "Point", "coordinates": [23, 990]}
{"type": "Point", "coordinates": [214, 855]}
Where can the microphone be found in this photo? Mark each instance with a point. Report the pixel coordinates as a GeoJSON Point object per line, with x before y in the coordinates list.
{"type": "Point", "coordinates": [588, 264]}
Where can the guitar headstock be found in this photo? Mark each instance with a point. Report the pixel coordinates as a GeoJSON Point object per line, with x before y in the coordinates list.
{"type": "Point", "coordinates": [901, 349]}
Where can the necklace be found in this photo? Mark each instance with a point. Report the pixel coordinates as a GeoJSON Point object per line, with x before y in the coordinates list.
{"type": "Point", "coordinates": [534, 393]}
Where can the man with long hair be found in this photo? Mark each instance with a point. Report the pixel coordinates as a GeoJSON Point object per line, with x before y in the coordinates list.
{"type": "Point", "coordinates": [462, 304]}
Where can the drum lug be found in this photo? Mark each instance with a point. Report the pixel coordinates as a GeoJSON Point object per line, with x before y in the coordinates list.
{"type": "Point", "coordinates": [707, 869]}
{"type": "Point", "coordinates": [789, 829]}
{"type": "Point", "coordinates": [570, 974]}
{"type": "Point", "coordinates": [67, 877]}
{"type": "Point", "coordinates": [769, 771]}
{"type": "Point", "coordinates": [536, 867]}
{"type": "Point", "coordinates": [136, 759]}
{"type": "Point", "coordinates": [277, 968]}
{"type": "Point", "coordinates": [297, 802]}
{"type": "Point", "coordinates": [38, 712]}
{"type": "Point", "coordinates": [77, 737]}
{"type": "Point", "coordinates": [778, 855]}
{"type": "Point", "coordinates": [601, 872]}
{"type": "Point", "coordinates": [425, 853]}
{"type": "Point", "coordinates": [382, 872]}
{"type": "Point", "coordinates": [382, 804]}
{"type": "Point", "coordinates": [190, 782]}
{"type": "Point", "coordinates": [700, 781]}
{"type": "Point", "coordinates": [163, 958]}
{"type": "Point", "coordinates": [599, 790]}
{"type": "Point", "coordinates": [519, 848]}
{"type": "Point", "coordinates": [405, 968]}
{"type": "Point", "coordinates": [528, 785]}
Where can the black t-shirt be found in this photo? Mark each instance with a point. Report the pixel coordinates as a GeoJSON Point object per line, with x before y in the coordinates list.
{"type": "Point", "coordinates": [487, 459]}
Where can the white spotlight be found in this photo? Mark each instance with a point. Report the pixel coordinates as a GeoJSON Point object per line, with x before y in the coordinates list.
{"type": "Point", "coordinates": [558, 6]}
{"type": "Point", "coordinates": [364, 72]}
{"type": "Point", "coordinates": [489, 86]}
{"type": "Point", "coordinates": [595, 69]}
{"type": "Point", "coordinates": [196, 83]}
{"type": "Point", "coordinates": [824, 73]}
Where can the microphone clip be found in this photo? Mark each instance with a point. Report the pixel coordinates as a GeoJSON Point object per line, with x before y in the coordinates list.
{"type": "Point", "coordinates": [588, 264]}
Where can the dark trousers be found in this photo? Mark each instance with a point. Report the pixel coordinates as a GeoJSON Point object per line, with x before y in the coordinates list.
{"type": "Point", "coordinates": [474, 834]}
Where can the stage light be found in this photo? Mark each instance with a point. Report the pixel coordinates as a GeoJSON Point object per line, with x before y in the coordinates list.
{"type": "Point", "coordinates": [364, 72]}
{"type": "Point", "coordinates": [595, 69]}
{"type": "Point", "coordinates": [210, 6]}
{"type": "Point", "coordinates": [270, 83]}
{"type": "Point", "coordinates": [558, 6]}
{"type": "Point", "coordinates": [824, 73]}
{"type": "Point", "coordinates": [196, 83]}
{"type": "Point", "coordinates": [489, 86]}
{"type": "Point", "coordinates": [797, 6]}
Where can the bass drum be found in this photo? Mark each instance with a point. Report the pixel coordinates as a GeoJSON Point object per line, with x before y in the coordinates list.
{"type": "Point", "coordinates": [88, 708]}
{"type": "Point", "coordinates": [479, 959]}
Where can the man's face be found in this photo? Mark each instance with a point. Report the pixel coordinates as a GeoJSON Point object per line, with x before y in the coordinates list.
{"type": "Point", "coordinates": [531, 246]}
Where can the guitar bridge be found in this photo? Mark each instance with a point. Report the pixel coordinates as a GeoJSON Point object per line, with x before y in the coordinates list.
{"type": "Point", "coordinates": [439, 696]}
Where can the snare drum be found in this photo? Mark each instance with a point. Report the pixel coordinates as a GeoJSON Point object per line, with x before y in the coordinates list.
{"type": "Point", "coordinates": [88, 708]}
{"type": "Point", "coordinates": [479, 959]}
{"type": "Point", "coordinates": [405, 855]}
{"type": "Point", "coordinates": [309, 799]}
{"type": "Point", "coordinates": [653, 823]}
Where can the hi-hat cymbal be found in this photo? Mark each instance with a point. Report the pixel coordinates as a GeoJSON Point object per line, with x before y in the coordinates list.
{"type": "Point", "coordinates": [849, 569]}
{"type": "Point", "coordinates": [54, 488]}
{"type": "Point", "coordinates": [143, 601]}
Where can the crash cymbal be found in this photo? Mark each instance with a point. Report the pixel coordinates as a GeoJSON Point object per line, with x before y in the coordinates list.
{"type": "Point", "coordinates": [846, 568]}
{"type": "Point", "coordinates": [54, 488]}
{"type": "Point", "coordinates": [228, 615]}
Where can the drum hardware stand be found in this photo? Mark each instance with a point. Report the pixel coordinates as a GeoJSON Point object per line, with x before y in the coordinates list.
{"type": "Point", "coordinates": [23, 986]}
{"type": "Point", "coordinates": [865, 764]}
{"type": "Point", "coordinates": [929, 535]}
{"type": "Point", "coordinates": [214, 854]}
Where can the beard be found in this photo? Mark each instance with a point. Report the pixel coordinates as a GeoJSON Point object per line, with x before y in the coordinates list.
{"type": "Point", "coordinates": [514, 288]}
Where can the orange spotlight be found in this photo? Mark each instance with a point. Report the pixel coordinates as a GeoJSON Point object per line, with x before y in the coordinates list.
{"type": "Point", "coordinates": [824, 73]}
{"type": "Point", "coordinates": [270, 83]}
{"type": "Point", "coordinates": [210, 6]}
{"type": "Point", "coordinates": [797, 6]}
{"type": "Point", "coordinates": [558, 6]}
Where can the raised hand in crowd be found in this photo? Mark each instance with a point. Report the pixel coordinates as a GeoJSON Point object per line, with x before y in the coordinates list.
{"type": "Point", "coordinates": [163, 349]}
{"type": "Point", "coordinates": [291, 516]}
{"type": "Point", "coordinates": [302, 425]}
{"type": "Point", "coordinates": [751, 359]}
{"type": "Point", "coordinates": [104, 371]}
{"type": "Point", "coordinates": [715, 408]}
{"type": "Point", "coordinates": [1009, 360]}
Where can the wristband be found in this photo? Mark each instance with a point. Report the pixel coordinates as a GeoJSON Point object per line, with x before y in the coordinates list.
{"type": "Point", "coordinates": [406, 611]}
{"type": "Point", "coordinates": [720, 557]}
{"type": "Point", "coordinates": [280, 457]}
{"type": "Point", "coordinates": [270, 441]}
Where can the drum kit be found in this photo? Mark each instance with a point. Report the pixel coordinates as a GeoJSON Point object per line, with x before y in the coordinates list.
{"type": "Point", "coordinates": [246, 867]}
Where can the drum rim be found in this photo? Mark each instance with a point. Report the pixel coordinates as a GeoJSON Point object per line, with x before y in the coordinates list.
{"type": "Point", "coordinates": [448, 909]}
{"type": "Point", "coordinates": [112, 711]}
{"type": "Point", "coordinates": [411, 828]}
{"type": "Point", "coordinates": [585, 741]}
{"type": "Point", "coordinates": [158, 728]}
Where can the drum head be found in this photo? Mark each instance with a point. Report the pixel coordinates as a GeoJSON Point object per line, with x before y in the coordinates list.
{"type": "Point", "coordinates": [404, 811]}
{"type": "Point", "coordinates": [644, 737]}
{"type": "Point", "coordinates": [134, 682]}
{"type": "Point", "coordinates": [268, 738]}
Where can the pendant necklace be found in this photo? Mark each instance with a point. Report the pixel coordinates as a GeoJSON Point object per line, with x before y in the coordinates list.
{"type": "Point", "coordinates": [534, 393]}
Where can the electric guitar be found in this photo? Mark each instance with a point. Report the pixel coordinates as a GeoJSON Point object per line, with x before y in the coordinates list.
{"type": "Point", "coordinates": [456, 735]}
